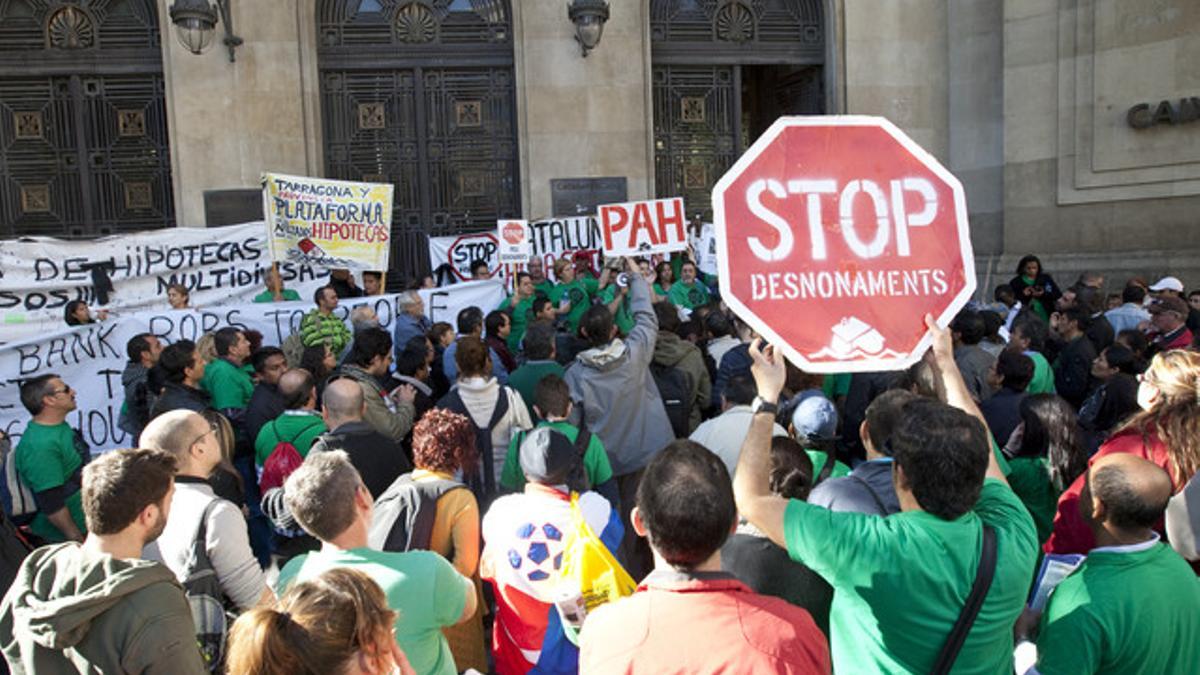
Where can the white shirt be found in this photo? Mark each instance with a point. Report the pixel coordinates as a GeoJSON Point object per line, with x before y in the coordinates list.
{"type": "Point", "coordinates": [723, 435]}
{"type": "Point", "coordinates": [226, 542]}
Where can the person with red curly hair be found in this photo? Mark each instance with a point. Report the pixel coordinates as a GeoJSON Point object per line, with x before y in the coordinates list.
{"type": "Point", "coordinates": [430, 509]}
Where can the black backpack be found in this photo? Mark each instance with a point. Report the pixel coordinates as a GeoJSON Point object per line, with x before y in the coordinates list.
{"type": "Point", "coordinates": [675, 388]}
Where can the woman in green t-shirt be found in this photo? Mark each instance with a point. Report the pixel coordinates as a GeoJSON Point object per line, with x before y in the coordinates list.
{"type": "Point", "coordinates": [1046, 454]}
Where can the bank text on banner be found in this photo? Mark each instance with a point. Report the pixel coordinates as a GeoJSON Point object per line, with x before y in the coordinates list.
{"type": "Point", "coordinates": [513, 239]}
{"type": "Point", "coordinates": [849, 224]}
{"type": "Point", "coordinates": [328, 223]}
{"type": "Point", "coordinates": [91, 358]}
{"type": "Point", "coordinates": [638, 228]}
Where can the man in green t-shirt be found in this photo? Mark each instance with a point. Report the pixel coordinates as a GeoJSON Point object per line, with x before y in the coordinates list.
{"type": "Point", "coordinates": [50, 458]}
{"type": "Point", "coordinates": [572, 295]}
{"type": "Point", "coordinates": [901, 582]}
{"type": "Point", "coordinates": [553, 406]}
{"type": "Point", "coordinates": [275, 291]}
{"type": "Point", "coordinates": [519, 305]}
{"type": "Point", "coordinates": [1133, 606]}
{"type": "Point", "coordinates": [300, 423]}
{"type": "Point", "coordinates": [537, 274]}
{"type": "Point", "coordinates": [225, 378]}
{"type": "Point", "coordinates": [1029, 335]}
{"type": "Point", "coordinates": [688, 292]}
{"type": "Point", "coordinates": [540, 351]}
{"type": "Point", "coordinates": [327, 497]}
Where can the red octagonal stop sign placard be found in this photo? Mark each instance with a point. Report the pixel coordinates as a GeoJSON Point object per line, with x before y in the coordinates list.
{"type": "Point", "coordinates": [835, 236]}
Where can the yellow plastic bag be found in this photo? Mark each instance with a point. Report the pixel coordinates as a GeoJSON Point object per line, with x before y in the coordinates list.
{"type": "Point", "coordinates": [590, 575]}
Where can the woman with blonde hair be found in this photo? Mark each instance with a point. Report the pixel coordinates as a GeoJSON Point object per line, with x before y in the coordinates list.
{"type": "Point", "coordinates": [336, 624]}
{"type": "Point", "coordinates": [178, 296]}
{"type": "Point", "coordinates": [1166, 431]}
{"type": "Point", "coordinates": [443, 443]}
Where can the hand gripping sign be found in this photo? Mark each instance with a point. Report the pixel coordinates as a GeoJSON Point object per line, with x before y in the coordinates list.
{"type": "Point", "coordinates": [638, 228]}
{"type": "Point", "coordinates": [835, 236]}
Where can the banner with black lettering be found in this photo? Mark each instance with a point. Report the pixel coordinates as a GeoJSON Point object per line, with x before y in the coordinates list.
{"type": "Point", "coordinates": [91, 358]}
{"type": "Point", "coordinates": [219, 265]}
{"type": "Point", "coordinates": [549, 240]}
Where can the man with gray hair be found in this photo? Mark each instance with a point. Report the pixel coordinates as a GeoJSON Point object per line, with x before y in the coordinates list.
{"type": "Point", "coordinates": [410, 320]}
{"type": "Point", "coordinates": [361, 318]}
{"type": "Point", "coordinates": [197, 450]}
{"type": "Point", "coordinates": [328, 498]}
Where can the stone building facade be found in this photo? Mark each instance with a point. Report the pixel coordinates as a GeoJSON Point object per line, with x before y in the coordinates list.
{"type": "Point", "coordinates": [1070, 122]}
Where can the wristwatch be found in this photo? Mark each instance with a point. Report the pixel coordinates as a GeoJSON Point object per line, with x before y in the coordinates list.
{"type": "Point", "coordinates": [760, 405]}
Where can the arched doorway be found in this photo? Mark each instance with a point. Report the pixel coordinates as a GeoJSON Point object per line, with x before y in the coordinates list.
{"type": "Point", "coordinates": [420, 93]}
{"type": "Point", "coordinates": [83, 128]}
{"type": "Point", "coordinates": [723, 70]}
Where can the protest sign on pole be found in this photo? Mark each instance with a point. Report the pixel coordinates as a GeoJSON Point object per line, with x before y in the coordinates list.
{"type": "Point", "coordinates": [513, 239]}
{"type": "Point", "coordinates": [218, 265]}
{"type": "Point", "coordinates": [328, 223]}
{"type": "Point", "coordinates": [835, 236]}
{"type": "Point", "coordinates": [91, 358]}
{"type": "Point", "coordinates": [638, 228]}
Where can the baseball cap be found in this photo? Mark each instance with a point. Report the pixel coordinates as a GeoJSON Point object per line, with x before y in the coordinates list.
{"type": "Point", "coordinates": [548, 456]}
{"type": "Point", "coordinates": [815, 418]}
{"type": "Point", "coordinates": [1168, 284]}
{"type": "Point", "coordinates": [1171, 304]}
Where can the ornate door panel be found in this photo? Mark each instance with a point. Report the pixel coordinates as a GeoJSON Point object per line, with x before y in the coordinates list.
{"type": "Point", "coordinates": [710, 55]}
{"type": "Point", "coordinates": [83, 132]}
{"type": "Point", "coordinates": [420, 93]}
{"type": "Point", "coordinates": [696, 112]}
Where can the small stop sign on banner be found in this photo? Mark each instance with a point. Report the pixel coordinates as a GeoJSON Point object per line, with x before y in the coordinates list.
{"type": "Point", "coordinates": [835, 236]}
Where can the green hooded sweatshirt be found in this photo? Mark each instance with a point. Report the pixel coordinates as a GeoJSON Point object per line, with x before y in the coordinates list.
{"type": "Point", "coordinates": [73, 610]}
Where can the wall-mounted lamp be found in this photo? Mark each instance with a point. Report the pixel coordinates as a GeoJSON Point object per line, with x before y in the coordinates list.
{"type": "Point", "coordinates": [195, 23]}
{"type": "Point", "coordinates": [589, 17]}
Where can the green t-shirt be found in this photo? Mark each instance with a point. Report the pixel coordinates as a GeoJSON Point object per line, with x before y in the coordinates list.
{"type": "Point", "coordinates": [298, 428]}
{"type": "Point", "coordinates": [818, 462]}
{"type": "Point", "coordinates": [421, 586]}
{"type": "Point", "coordinates": [525, 379]}
{"type": "Point", "coordinates": [686, 296]}
{"type": "Point", "coordinates": [579, 292]}
{"type": "Point", "coordinates": [1123, 612]}
{"type": "Point", "coordinates": [46, 458]}
{"type": "Point", "coordinates": [520, 319]}
{"type": "Point", "coordinates": [230, 386]}
{"type": "Point", "coordinates": [900, 582]}
{"type": "Point", "coordinates": [268, 296]}
{"type": "Point", "coordinates": [1043, 375]}
{"type": "Point", "coordinates": [545, 288]}
{"type": "Point", "coordinates": [660, 291]}
{"type": "Point", "coordinates": [623, 318]}
{"type": "Point", "coordinates": [1030, 480]}
{"type": "Point", "coordinates": [835, 385]}
{"type": "Point", "coordinates": [595, 460]}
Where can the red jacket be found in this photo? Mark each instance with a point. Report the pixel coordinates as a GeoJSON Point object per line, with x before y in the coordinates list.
{"type": "Point", "coordinates": [1071, 534]}
{"type": "Point", "coordinates": [713, 624]}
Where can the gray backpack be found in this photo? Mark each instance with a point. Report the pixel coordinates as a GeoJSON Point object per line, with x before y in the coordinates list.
{"type": "Point", "coordinates": [206, 599]}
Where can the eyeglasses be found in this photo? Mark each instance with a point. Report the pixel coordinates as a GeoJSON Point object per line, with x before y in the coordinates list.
{"type": "Point", "coordinates": [212, 429]}
{"type": "Point", "coordinates": [65, 390]}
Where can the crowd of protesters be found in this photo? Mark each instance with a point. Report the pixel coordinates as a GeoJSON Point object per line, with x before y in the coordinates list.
{"type": "Point", "coordinates": [358, 500]}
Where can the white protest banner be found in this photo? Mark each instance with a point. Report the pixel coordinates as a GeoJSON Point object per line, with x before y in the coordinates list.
{"type": "Point", "coordinates": [705, 248]}
{"type": "Point", "coordinates": [549, 239]}
{"type": "Point", "coordinates": [218, 265]}
{"type": "Point", "coordinates": [91, 358]}
{"type": "Point", "coordinates": [513, 239]}
{"type": "Point", "coordinates": [328, 223]}
{"type": "Point", "coordinates": [637, 228]}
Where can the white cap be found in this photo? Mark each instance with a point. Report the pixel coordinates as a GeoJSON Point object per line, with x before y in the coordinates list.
{"type": "Point", "coordinates": [1168, 284]}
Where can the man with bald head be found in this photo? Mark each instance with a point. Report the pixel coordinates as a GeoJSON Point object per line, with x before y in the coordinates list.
{"type": "Point", "coordinates": [299, 424]}
{"type": "Point", "coordinates": [197, 450]}
{"type": "Point", "coordinates": [377, 457]}
{"type": "Point", "coordinates": [1134, 604]}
